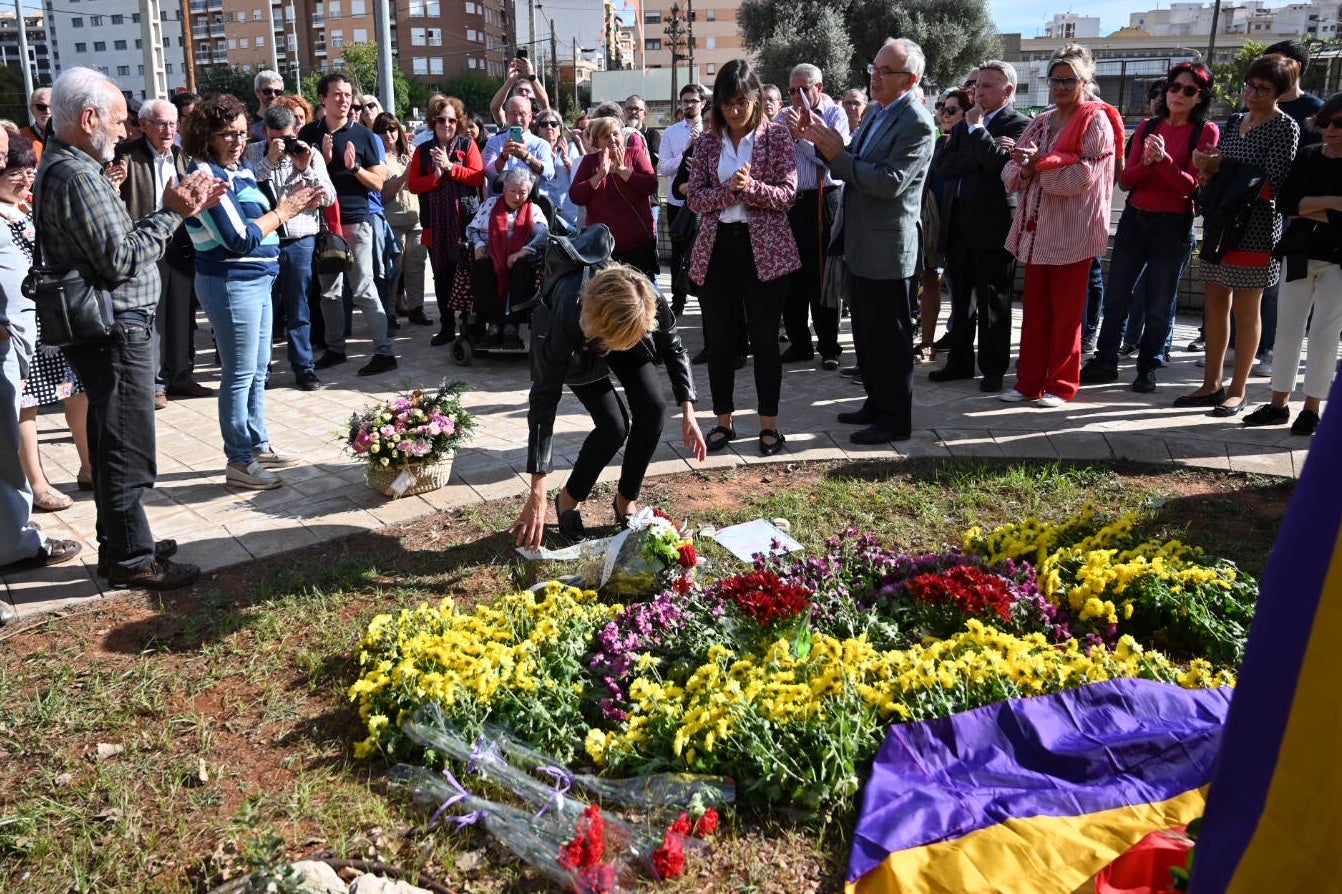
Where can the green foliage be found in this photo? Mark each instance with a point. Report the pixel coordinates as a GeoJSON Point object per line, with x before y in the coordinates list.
{"type": "Point", "coordinates": [13, 101]}
{"type": "Point", "coordinates": [361, 68]}
{"type": "Point", "coordinates": [475, 90]}
{"type": "Point", "coordinates": [228, 79]}
{"type": "Point", "coordinates": [1230, 75]}
{"type": "Point", "coordinates": [843, 37]}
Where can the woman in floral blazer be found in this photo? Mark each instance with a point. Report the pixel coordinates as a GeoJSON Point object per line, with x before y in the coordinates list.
{"type": "Point", "coordinates": [742, 182]}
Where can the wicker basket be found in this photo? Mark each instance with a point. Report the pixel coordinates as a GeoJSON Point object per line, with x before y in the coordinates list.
{"type": "Point", "coordinates": [424, 477]}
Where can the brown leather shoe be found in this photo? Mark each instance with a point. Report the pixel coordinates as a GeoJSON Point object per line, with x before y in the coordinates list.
{"type": "Point", "coordinates": [190, 389]}
{"type": "Point", "coordinates": [54, 552]}
{"type": "Point", "coordinates": [160, 400]}
{"type": "Point", "coordinates": [163, 549]}
{"type": "Point", "coordinates": [160, 574]}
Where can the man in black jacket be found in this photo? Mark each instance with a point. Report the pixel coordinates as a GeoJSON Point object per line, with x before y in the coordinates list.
{"type": "Point", "coordinates": [978, 219]}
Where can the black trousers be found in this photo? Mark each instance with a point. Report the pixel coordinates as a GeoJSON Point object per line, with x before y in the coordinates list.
{"type": "Point", "coordinates": [638, 429]}
{"type": "Point", "coordinates": [118, 375]}
{"type": "Point", "coordinates": [980, 280]}
{"type": "Point", "coordinates": [734, 299]}
{"type": "Point", "coordinates": [883, 339]}
{"type": "Point", "coordinates": [521, 288]}
{"type": "Point", "coordinates": [809, 229]}
{"type": "Point", "coordinates": [643, 258]}
{"type": "Point", "coordinates": [678, 250]}
{"type": "Point", "coordinates": [173, 326]}
{"type": "Point", "coordinates": [442, 291]}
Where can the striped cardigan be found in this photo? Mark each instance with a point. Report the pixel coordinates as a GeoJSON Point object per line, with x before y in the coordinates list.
{"type": "Point", "coordinates": [227, 240]}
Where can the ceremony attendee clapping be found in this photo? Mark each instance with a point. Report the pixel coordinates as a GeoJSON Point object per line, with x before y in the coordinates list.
{"type": "Point", "coordinates": [615, 183]}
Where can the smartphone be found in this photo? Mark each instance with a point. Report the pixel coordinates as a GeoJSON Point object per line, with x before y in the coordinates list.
{"type": "Point", "coordinates": [515, 134]}
{"type": "Point", "coordinates": [521, 52]}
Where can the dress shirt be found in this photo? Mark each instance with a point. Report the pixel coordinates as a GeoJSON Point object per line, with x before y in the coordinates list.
{"type": "Point", "coordinates": [987, 119]}
{"type": "Point", "coordinates": [729, 162]}
{"type": "Point", "coordinates": [535, 145]}
{"type": "Point", "coordinates": [877, 117]}
{"type": "Point", "coordinates": [676, 140]}
{"type": "Point", "coordinates": [165, 169]}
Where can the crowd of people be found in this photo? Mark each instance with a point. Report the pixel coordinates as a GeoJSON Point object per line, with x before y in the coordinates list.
{"type": "Point", "coordinates": [782, 212]}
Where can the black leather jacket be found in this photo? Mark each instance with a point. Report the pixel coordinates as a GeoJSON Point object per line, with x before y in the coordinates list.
{"type": "Point", "coordinates": [560, 352]}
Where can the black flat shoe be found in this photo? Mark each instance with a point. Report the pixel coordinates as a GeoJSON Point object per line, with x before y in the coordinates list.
{"type": "Point", "coordinates": [1201, 400]}
{"type": "Point", "coordinates": [571, 529]}
{"type": "Point", "coordinates": [724, 437]}
{"type": "Point", "coordinates": [1224, 411]}
{"type": "Point", "coordinates": [767, 448]}
{"type": "Point", "coordinates": [1305, 424]}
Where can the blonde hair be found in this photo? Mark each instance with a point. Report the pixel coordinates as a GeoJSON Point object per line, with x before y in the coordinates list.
{"type": "Point", "coordinates": [1078, 57]}
{"type": "Point", "coordinates": [619, 307]}
{"type": "Point", "coordinates": [601, 127]}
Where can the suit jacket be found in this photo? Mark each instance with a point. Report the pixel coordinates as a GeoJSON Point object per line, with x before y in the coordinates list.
{"type": "Point", "coordinates": [971, 163]}
{"type": "Point", "coordinates": [138, 192]}
{"type": "Point", "coordinates": [772, 190]}
{"type": "Point", "coordinates": [883, 173]}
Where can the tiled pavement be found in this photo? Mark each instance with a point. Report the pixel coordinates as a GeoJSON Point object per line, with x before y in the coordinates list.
{"type": "Point", "coordinates": [326, 497]}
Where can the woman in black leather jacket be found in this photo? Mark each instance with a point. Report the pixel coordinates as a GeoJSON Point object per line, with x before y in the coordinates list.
{"type": "Point", "coordinates": [616, 323]}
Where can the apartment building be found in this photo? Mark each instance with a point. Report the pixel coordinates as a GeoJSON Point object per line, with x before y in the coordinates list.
{"type": "Point", "coordinates": [108, 35]}
{"type": "Point", "coordinates": [717, 39]}
{"type": "Point", "coordinates": [39, 60]}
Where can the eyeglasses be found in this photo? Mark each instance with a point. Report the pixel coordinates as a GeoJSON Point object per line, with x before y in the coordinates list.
{"type": "Point", "coordinates": [272, 91]}
{"type": "Point", "coordinates": [885, 71]}
{"type": "Point", "coordinates": [1069, 83]}
{"type": "Point", "coordinates": [939, 106]}
{"type": "Point", "coordinates": [20, 173]}
{"type": "Point", "coordinates": [547, 123]}
{"type": "Point", "coordinates": [443, 119]}
{"type": "Point", "coordinates": [1186, 89]}
{"type": "Point", "coordinates": [691, 101]}
{"type": "Point", "coordinates": [632, 109]}
{"type": "Point", "coordinates": [354, 108]}
{"type": "Point", "coordinates": [1259, 89]}
{"type": "Point", "coordinates": [42, 107]}
{"type": "Point", "coordinates": [796, 90]}
{"type": "Point", "coordinates": [969, 83]}
{"type": "Point", "coordinates": [166, 125]}
{"type": "Point", "coordinates": [1325, 123]}
{"type": "Point", "coordinates": [738, 105]}
{"type": "Point", "coordinates": [232, 136]}
{"type": "Point", "coordinates": [952, 110]}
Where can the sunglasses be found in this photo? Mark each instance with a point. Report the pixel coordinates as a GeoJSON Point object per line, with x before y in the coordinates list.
{"type": "Point", "coordinates": [42, 107]}
{"type": "Point", "coordinates": [1186, 89]}
{"type": "Point", "coordinates": [272, 91]}
{"type": "Point", "coordinates": [1325, 123]}
{"type": "Point", "coordinates": [1063, 82]}
{"type": "Point", "coordinates": [443, 119]}
{"type": "Point", "coordinates": [547, 123]}
{"type": "Point", "coordinates": [952, 110]}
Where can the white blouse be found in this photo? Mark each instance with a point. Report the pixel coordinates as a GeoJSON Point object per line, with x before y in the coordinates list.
{"type": "Point", "coordinates": [729, 162]}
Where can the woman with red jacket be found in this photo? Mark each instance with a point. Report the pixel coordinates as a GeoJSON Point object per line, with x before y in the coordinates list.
{"type": "Point", "coordinates": [743, 180]}
{"type": "Point", "coordinates": [447, 172]}
{"type": "Point", "coordinates": [615, 182]}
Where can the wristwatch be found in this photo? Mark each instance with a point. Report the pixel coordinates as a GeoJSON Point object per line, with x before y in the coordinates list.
{"type": "Point", "coordinates": [356, 169]}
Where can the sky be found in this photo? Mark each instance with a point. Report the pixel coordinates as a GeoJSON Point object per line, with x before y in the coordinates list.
{"type": "Point", "coordinates": [1027, 17]}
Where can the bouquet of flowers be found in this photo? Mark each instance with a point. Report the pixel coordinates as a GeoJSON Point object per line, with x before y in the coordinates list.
{"type": "Point", "coordinates": [411, 429]}
{"type": "Point", "coordinates": [652, 554]}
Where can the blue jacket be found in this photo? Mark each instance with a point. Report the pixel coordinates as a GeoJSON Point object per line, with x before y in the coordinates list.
{"type": "Point", "coordinates": [228, 242]}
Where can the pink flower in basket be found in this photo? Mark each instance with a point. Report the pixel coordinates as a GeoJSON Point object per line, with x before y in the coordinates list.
{"type": "Point", "coordinates": [361, 442]}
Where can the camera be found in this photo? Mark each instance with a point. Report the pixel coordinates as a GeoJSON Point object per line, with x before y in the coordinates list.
{"type": "Point", "coordinates": [295, 146]}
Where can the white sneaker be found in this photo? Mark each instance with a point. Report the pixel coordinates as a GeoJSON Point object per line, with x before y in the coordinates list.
{"type": "Point", "coordinates": [254, 476]}
{"type": "Point", "coordinates": [1011, 396]}
{"type": "Point", "coordinates": [1051, 400]}
{"type": "Point", "coordinates": [276, 459]}
{"type": "Point", "coordinates": [1264, 365]}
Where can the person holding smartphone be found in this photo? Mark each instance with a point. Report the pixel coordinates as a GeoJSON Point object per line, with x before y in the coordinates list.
{"type": "Point", "coordinates": [522, 82]}
{"type": "Point", "coordinates": [516, 146]}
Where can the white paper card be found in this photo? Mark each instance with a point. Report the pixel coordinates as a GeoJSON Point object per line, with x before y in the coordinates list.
{"type": "Point", "coordinates": [402, 482]}
{"type": "Point", "coordinates": [758, 536]}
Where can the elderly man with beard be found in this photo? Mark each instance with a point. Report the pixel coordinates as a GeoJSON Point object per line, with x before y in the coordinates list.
{"type": "Point", "coordinates": [82, 224]}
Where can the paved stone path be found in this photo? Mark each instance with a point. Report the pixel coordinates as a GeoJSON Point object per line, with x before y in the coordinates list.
{"type": "Point", "coordinates": [326, 497]}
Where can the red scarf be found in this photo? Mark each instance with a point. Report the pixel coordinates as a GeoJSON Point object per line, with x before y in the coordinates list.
{"type": "Point", "coordinates": [1067, 150]}
{"type": "Point", "coordinates": [501, 246]}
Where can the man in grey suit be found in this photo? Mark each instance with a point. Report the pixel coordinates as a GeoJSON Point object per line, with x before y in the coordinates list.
{"type": "Point", "coordinates": [883, 168]}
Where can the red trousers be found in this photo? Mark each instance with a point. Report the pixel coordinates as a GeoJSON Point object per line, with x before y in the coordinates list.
{"type": "Point", "coordinates": [1050, 333]}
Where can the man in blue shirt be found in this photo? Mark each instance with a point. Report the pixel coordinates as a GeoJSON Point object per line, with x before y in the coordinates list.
{"type": "Point", "coordinates": [354, 160]}
{"type": "Point", "coordinates": [503, 152]}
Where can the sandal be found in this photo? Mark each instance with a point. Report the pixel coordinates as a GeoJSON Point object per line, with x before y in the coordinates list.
{"type": "Point", "coordinates": [720, 437]}
{"type": "Point", "coordinates": [52, 501]}
{"type": "Point", "coordinates": [570, 524]}
{"type": "Point", "coordinates": [767, 449]}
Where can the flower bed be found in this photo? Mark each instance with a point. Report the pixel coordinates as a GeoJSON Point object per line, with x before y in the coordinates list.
{"type": "Point", "coordinates": [786, 677]}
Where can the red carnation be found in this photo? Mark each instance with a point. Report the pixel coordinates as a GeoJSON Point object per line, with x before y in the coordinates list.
{"type": "Point", "coordinates": [669, 859]}
{"type": "Point", "coordinates": [764, 597]}
{"type": "Point", "coordinates": [682, 825]}
{"type": "Point", "coordinates": [688, 557]}
{"type": "Point", "coordinates": [707, 824]}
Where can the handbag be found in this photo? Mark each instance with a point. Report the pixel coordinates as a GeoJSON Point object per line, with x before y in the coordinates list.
{"type": "Point", "coordinates": [71, 310]}
{"type": "Point", "coordinates": [332, 255]}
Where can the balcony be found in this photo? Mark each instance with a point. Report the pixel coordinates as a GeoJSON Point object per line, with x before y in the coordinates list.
{"type": "Point", "coordinates": [318, 21]}
{"type": "Point", "coordinates": [319, 48]}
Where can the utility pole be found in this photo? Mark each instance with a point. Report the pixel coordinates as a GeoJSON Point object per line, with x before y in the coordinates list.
{"type": "Point", "coordinates": [531, 39]}
{"type": "Point", "coordinates": [189, 42]}
{"type": "Point", "coordinates": [555, 87]}
{"type": "Point", "coordinates": [382, 23]}
{"type": "Point", "coordinates": [674, 31]}
{"type": "Point", "coordinates": [1211, 42]}
{"type": "Point", "coordinates": [23, 51]}
{"type": "Point", "coordinates": [689, 15]}
{"type": "Point", "coordinates": [151, 35]}
{"type": "Point", "coordinates": [274, 47]}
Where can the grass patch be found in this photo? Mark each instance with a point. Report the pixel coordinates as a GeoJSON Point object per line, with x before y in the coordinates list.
{"type": "Point", "coordinates": [249, 675]}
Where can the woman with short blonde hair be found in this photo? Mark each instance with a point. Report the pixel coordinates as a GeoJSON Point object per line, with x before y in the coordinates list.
{"type": "Point", "coordinates": [617, 324]}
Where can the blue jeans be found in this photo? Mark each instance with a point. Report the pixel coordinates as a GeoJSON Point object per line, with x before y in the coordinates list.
{"type": "Point", "coordinates": [18, 540]}
{"type": "Point", "coordinates": [1157, 245]}
{"type": "Point", "coordinates": [1132, 333]}
{"type": "Point", "coordinates": [1094, 299]}
{"type": "Point", "coordinates": [241, 314]}
{"type": "Point", "coordinates": [118, 374]}
{"type": "Point", "coordinates": [291, 291]}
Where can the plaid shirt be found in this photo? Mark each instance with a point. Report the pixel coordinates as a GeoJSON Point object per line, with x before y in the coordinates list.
{"type": "Point", "coordinates": [83, 224]}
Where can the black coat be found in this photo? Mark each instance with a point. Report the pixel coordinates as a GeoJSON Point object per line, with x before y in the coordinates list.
{"type": "Point", "coordinates": [971, 163]}
{"type": "Point", "coordinates": [560, 352]}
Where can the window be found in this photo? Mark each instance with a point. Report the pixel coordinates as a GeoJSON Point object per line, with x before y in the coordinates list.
{"type": "Point", "coordinates": [420, 65]}
{"type": "Point", "coordinates": [261, 41]}
{"type": "Point", "coordinates": [77, 22]}
{"type": "Point", "coordinates": [123, 71]}
{"type": "Point", "coordinates": [118, 20]}
{"type": "Point", "coordinates": [139, 44]}
{"type": "Point", "coordinates": [119, 45]}
{"type": "Point", "coordinates": [712, 68]}
{"type": "Point", "coordinates": [652, 44]}
{"type": "Point", "coordinates": [417, 37]}
{"type": "Point", "coordinates": [337, 39]}
{"type": "Point", "coordinates": [431, 9]}
{"type": "Point", "coordinates": [135, 18]}
{"type": "Point", "coordinates": [435, 65]}
{"type": "Point", "coordinates": [244, 43]}
{"type": "Point", "coordinates": [710, 43]}
{"type": "Point", "coordinates": [81, 48]}
{"type": "Point", "coordinates": [333, 9]}
{"type": "Point", "coordinates": [652, 18]}
{"type": "Point", "coordinates": [472, 9]}
{"type": "Point", "coordinates": [256, 15]}
{"type": "Point", "coordinates": [712, 15]}
{"type": "Point", "coordinates": [470, 63]}
{"type": "Point", "coordinates": [358, 7]}
{"type": "Point", "coordinates": [139, 70]}
{"type": "Point", "coordinates": [100, 46]}
{"type": "Point", "coordinates": [361, 35]}
{"type": "Point", "coordinates": [95, 21]}
{"type": "Point", "coordinates": [167, 69]}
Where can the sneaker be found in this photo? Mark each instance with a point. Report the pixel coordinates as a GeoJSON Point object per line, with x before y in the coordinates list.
{"type": "Point", "coordinates": [1088, 345]}
{"type": "Point", "coordinates": [1196, 345]}
{"type": "Point", "coordinates": [159, 574]}
{"type": "Point", "coordinates": [379, 363]}
{"type": "Point", "coordinates": [849, 371]}
{"type": "Point", "coordinates": [441, 337]}
{"type": "Point", "coordinates": [1264, 365]}
{"type": "Point", "coordinates": [1127, 350]}
{"type": "Point", "coordinates": [829, 363]}
{"type": "Point", "coordinates": [1305, 423]}
{"type": "Point", "coordinates": [1268, 415]}
{"type": "Point", "coordinates": [163, 549]}
{"type": "Point", "coordinates": [330, 359]}
{"type": "Point", "coordinates": [1145, 383]}
{"type": "Point", "coordinates": [308, 381]}
{"type": "Point", "coordinates": [1096, 372]}
{"type": "Point", "coordinates": [419, 318]}
{"type": "Point", "coordinates": [1050, 400]}
{"type": "Point", "coordinates": [254, 476]}
{"type": "Point", "coordinates": [276, 459]}
{"type": "Point", "coordinates": [1012, 396]}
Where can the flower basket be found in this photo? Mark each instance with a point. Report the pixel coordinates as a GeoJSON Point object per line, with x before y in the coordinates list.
{"type": "Point", "coordinates": [420, 477]}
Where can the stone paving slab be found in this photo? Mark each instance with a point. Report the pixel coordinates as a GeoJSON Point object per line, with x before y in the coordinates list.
{"type": "Point", "coordinates": [326, 496]}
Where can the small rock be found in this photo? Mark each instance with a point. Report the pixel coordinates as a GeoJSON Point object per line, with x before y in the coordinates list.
{"type": "Point", "coordinates": [103, 750]}
{"type": "Point", "coordinates": [318, 878]}
{"type": "Point", "coordinates": [376, 884]}
{"type": "Point", "coordinates": [63, 779]}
